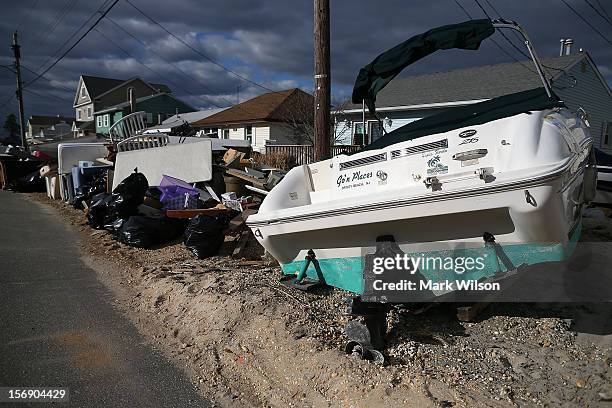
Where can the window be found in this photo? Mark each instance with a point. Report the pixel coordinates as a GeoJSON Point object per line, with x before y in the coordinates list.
{"type": "Point", "coordinates": [149, 117]}
{"type": "Point", "coordinates": [358, 137]}
{"type": "Point", "coordinates": [374, 130]}
{"type": "Point", "coordinates": [83, 91]}
{"type": "Point", "coordinates": [226, 133]}
{"type": "Point", "coordinates": [105, 120]}
{"type": "Point", "coordinates": [79, 113]}
{"type": "Point", "coordinates": [98, 121]}
{"type": "Point", "coordinates": [248, 133]}
{"type": "Point", "coordinates": [88, 112]}
{"type": "Point", "coordinates": [606, 138]}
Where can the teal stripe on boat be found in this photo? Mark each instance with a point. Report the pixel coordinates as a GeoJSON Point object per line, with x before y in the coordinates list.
{"type": "Point", "coordinates": [347, 273]}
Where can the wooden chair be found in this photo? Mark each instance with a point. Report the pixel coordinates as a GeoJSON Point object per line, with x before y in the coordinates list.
{"type": "Point", "coordinates": [128, 126]}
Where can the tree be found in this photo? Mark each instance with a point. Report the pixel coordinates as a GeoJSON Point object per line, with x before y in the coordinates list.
{"type": "Point", "coordinates": [299, 116]}
{"type": "Point", "coordinates": [13, 129]}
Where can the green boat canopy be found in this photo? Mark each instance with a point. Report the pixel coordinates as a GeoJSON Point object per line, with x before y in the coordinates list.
{"type": "Point", "coordinates": [469, 115]}
{"type": "Point", "coordinates": [378, 73]}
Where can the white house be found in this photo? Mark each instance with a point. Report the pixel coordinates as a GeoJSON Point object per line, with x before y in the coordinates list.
{"type": "Point", "coordinates": [271, 118]}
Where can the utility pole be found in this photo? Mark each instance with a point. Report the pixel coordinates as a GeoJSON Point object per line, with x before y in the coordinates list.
{"type": "Point", "coordinates": [17, 53]}
{"type": "Point", "coordinates": [322, 80]}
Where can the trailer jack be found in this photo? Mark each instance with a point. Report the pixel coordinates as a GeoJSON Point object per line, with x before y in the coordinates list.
{"type": "Point", "coordinates": [301, 282]}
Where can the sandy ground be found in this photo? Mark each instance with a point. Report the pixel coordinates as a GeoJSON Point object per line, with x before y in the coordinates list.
{"type": "Point", "coordinates": [247, 340]}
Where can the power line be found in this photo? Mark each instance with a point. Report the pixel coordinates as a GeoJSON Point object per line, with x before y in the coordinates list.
{"type": "Point", "coordinates": [515, 34]}
{"type": "Point", "coordinates": [606, 19]}
{"type": "Point", "coordinates": [143, 64]}
{"type": "Point", "coordinates": [199, 52]}
{"type": "Point", "coordinates": [67, 10]}
{"type": "Point", "coordinates": [73, 45]}
{"type": "Point", "coordinates": [167, 61]}
{"type": "Point", "coordinates": [603, 9]}
{"type": "Point", "coordinates": [163, 77]}
{"type": "Point", "coordinates": [503, 34]}
{"type": "Point", "coordinates": [6, 102]}
{"type": "Point", "coordinates": [48, 94]}
{"type": "Point", "coordinates": [495, 42]}
{"type": "Point", "coordinates": [91, 17]}
{"type": "Point", "coordinates": [587, 22]}
{"type": "Point", "coordinates": [28, 12]}
{"type": "Point", "coordinates": [48, 80]}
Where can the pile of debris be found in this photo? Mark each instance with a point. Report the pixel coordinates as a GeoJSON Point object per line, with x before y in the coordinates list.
{"type": "Point", "coordinates": [146, 197]}
{"type": "Point", "coordinates": [21, 171]}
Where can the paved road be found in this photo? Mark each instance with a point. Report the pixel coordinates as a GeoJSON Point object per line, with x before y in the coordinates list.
{"type": "Point", "coordinates": [58, 326]}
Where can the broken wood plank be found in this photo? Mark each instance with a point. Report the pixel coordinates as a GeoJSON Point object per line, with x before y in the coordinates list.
{"type": "Point", "coordinates": [244, 176]}
{"type": "Point", "coordinates": [469, 313]}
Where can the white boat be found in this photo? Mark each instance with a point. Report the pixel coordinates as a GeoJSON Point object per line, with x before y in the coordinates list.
{"type": "Point", "coordinates": [513, 167]}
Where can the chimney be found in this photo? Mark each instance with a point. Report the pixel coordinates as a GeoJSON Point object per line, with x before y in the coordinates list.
{"type": "Point", "coordinates": [131, 99]}
{"type": "Point", "coordinates": [562, 41]}
{"type": "Point", "coordinates": [568, 46]}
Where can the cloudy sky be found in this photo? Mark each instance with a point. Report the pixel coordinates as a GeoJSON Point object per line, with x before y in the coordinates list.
{"type": "Point", "coordinates": [270, 42]}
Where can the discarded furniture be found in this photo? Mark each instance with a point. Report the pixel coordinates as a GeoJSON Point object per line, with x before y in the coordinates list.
{"type": "Point", "coordinates": [128, 126]}
{"type": "Point", "coordinates": [142, 142]}
{"type": "Point", "coordinates": [190, 162]}
{"type": "Point", "coordinates": [68, 156]}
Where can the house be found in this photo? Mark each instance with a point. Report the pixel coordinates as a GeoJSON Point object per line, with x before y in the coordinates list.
{"type": "Point", "coordinates": [82, 129]}
{"type": "Point", "coordinates": [190, 118]}
{"type": "Point", "coordinates": [59, 131]}
{"type": "Point", "coordinates": [157, 106]}
{"type": "Point", "coordinates": [95, 93]}
{"type": "Point", "coordinates": [271, 118]}
{"type": "Point", "coordinates": [576, 80]}
{"type": "Point", "coordinates": [36, 123]}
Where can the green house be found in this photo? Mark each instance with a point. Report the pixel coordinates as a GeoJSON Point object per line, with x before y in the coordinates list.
{"type": "Point", "coordinates": [158, 107]}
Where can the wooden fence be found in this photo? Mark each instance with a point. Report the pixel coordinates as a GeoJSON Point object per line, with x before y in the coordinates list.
{"type": "Point", "coordinates": [304, 154]}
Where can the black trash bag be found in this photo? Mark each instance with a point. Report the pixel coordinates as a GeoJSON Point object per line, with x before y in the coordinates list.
{"type": "Point", "coordinates": [144, 232]}
{"type": "Point", "coordinates": [153, 192]}
{"type": "Point", "coordinates": [128, 195]}
{"type": "Point", "coordinates": [98, 210]}
{"type": "Point", "coordinates": [30, 183]}
{"type": "Point", "coordinates": [114, 225]}
{"type": "Point", "coordinates": [95, 184]}
{"type": "Point", "coordinates": [204, 235]}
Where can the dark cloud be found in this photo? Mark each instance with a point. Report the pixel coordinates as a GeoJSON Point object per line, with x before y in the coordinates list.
{"type": "Point", "coordinates": [269, 42]}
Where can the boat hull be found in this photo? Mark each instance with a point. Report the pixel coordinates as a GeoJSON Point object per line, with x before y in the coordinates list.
{"type": "Point", "coordinates": [540, 229]}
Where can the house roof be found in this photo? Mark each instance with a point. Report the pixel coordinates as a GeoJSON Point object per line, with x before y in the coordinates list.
{"type": "Point", "coordinates": [191, 117]}
{"type": "Point", "coordinates": [97, 86]}
{"type": "Point", "coordinates": [182, 118]}
{"type": "Point", "coordinates": [269, 107]}
{"type": "Point", "coordinates": [42, 120]}
{"type": "Point", "coordinates": [123, 105]}
{"type": "Point", "coordinates": [469, 84]}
